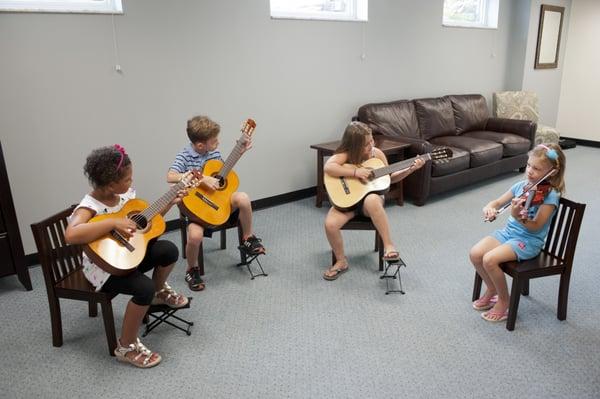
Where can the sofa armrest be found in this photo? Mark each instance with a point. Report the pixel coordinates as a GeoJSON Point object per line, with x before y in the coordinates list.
{"type": "Point", "coordinates": [522, 128]}
{"type": "Point", "coordinates": [417, 146]}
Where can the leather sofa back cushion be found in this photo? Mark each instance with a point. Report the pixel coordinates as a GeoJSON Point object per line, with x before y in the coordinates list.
{"type": "Point", "coordinates": [397, 118]}
{"type": "Point", "coordinates": [470, 112]}
{"type": "Point", "coordinates": [435, 116]}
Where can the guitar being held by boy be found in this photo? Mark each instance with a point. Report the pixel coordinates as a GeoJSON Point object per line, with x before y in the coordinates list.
{"type": "Point", "coordinates": [202, 153]}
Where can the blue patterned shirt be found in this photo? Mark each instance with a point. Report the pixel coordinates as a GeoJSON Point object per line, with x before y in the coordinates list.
{"type": "Point", "coordinates": [189, 159]}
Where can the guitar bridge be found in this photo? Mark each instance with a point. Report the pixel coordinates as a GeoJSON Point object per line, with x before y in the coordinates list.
{"type": "Point", "coordinates": [122, 240]}
{"type": "Point", "coordinates": [345, 185]}
{"type": "Point", "coordinates": [207, 201]}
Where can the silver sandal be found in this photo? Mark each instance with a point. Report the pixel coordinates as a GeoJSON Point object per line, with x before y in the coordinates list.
{"type": "Point", "coordinates": [168, 299]}
{"type": "Point", "coordinates": [122, 351]}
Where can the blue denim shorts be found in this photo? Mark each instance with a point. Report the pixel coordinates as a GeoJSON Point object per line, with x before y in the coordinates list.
{"type": "Point", "coordinates": [525, 249]}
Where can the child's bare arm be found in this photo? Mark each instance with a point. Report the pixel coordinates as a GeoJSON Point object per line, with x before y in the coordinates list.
{"type": "Point", "coordinates": [335, 166]}
{"type": "Point", "coordinates": [173, 176]}
{"type": "Point", "coordinates": [79, 231]}
{"type": "Point", "coordinates": [541, 217]}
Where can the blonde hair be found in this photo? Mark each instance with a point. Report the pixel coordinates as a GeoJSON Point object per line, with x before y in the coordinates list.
{"type": "Point", "coordinates": [353, 141]}
{"type": "Point", "coordinates": [201, 128]}
{"type": "Point", "coordinates": [556, 157]}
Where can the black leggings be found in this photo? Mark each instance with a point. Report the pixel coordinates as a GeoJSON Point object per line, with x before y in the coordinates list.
{"type": "Point", "coordinates": [159, 253]}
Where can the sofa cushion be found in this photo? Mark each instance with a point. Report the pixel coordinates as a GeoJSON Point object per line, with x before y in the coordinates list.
{"type": "Point", "coordinates": [512, 144]}
{"type": "Point", "coordinates": [435, 117]}
{"type": "Point", "coordinates": [470, 112]}
{"type": "Point", "coordinates": [460, 160]}
{"type": "Point", "coordinates": [481, 151]}
{"type": "Point", "coordinates": [397, 118]}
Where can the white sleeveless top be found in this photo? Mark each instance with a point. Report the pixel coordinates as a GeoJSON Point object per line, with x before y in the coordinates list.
{"type": "Point", "coordinates": [94, 274]}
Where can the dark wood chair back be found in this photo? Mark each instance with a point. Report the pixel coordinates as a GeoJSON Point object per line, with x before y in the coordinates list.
{"type": "Point", "coordinates": [364, 223]}
{"type": "Point", "coordinates": [222, 229]}
{"type": "Point", "coordinates": [64, 278]}
{"type": "Point", "coordinates": [555, 258]}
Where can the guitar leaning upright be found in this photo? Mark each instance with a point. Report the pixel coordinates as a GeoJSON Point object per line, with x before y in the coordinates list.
{"type": "Point", "coordinates": [118, 255]}
{"type": "Point", "coordinates": [212, 208]}
{"type": "Point", "coordinates": [346, 192]}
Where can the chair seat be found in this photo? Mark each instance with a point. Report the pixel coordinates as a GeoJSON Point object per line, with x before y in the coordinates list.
{"type": "Point", "coordinates": [76, 286]}
{"type": "Point", "coordinates": [542, 265]}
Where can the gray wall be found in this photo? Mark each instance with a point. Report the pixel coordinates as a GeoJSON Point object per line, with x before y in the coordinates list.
{"type": "Point", "coordinates": [578, 114]}
{"type": "Point", "coordinates": [545, 82]}
{"type": "Point", "coordinates": [300, 80]}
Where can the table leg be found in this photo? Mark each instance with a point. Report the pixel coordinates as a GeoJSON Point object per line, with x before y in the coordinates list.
{"type": "Point", "coordinates": [320, 184]}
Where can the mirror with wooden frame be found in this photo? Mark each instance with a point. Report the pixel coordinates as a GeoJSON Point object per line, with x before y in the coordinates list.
{"type": "Point", "coordinates": [549, 32]}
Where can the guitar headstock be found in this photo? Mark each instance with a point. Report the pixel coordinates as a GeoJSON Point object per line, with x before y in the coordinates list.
{"type": "Point", "coordinates": [440, 154]}
{"type": "Point", "coordinates": [248, 126]}
{"type": "Point", "coordinates": [191, 178]}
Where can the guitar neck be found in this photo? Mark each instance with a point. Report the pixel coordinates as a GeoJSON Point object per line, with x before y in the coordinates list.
{"type": "Point", "coordinates": [163, 201]}
{"type": "Point", "coordinates": [386, 170]}
{"type": "Point", "coordinates": [233, 157]}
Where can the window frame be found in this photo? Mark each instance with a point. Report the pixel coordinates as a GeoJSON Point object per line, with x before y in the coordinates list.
{"type": "Point", "coordinates": [63, 6]}
{"type": "Point", "coordinates": [358, 12]}
{"type": "Point", "coordinates": [488, 16]}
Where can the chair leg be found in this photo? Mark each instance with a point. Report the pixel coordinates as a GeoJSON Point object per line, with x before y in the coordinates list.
{"type": "Point", "coordinates": [477, 287]}
{"type": "Point", "coordinates": [243, 257]}
{"type": "Point", "coordinates": [109, 325]}
{"type": "Point", "coordinates": [93, 308]}
{"type": "Point", "coordinates": [224, 239]}
{"type": "Point", "coordinates": [201, 258]}
{"type": "Point", "coordinates": [515, 295]}
{"type": "Point", "coordinates": [563, 296]}
{"type": "Point", "coordinates": [379, 244]}
{"type": "Point", "coordinates": [183, 231]}
{"type": "Point", "coordinates": [525, 288]}
{"type": "Point", "coordinates": [56, 320]}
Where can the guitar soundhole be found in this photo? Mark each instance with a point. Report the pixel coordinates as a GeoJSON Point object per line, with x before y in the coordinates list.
{"type": "Point", "coordinates": [222, 181]}
{"type": "Point", "coordinates": [140, 221]}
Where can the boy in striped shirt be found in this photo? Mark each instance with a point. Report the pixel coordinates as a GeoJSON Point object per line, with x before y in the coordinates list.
{"type": "Point", "coordinates": [204, 141]}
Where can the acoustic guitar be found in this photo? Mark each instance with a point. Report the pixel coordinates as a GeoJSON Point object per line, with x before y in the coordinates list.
{"type": "Point", "coordinates": [212, 208]}
{"type": "Point", "coordinates": [346, 192]}
{"type": "Point", "coordinates": [118, 255]}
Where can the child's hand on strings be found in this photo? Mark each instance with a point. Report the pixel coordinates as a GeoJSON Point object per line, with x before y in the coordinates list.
{"type": "Point", "coordinates": [125, 226]}
{"type": "Point", "coordinates": [211, 183]}
{"type": "Point", "coordinates": [363, 174]}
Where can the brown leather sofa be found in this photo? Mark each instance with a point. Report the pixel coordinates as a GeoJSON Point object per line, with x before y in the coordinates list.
{"type": "Point", "coordinates": [482, 146]}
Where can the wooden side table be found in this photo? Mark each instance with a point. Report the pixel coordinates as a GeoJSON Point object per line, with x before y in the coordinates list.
{"type": "Point", "coordinates": [393, 150]}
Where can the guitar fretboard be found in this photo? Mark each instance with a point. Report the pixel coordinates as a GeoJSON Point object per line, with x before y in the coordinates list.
{"type": "Point", "coordinates": [163, 201]}
{"type": "Point", "coordinates": [386, 170]}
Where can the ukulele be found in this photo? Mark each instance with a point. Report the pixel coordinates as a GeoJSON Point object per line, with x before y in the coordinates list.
{"type": "Point", "coordinates": [212, 208]}
{"type": "Point", "coordinates": [346, 192]}
{"type": "Point", "coordinates": [118, 255]}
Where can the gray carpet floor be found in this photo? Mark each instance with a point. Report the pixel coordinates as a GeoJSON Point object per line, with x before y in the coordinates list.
{"type": "Point", "coordinates": [294, 335]}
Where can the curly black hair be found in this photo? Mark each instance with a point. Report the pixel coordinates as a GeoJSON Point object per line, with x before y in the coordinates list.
{"type": "Point", "coordinates": [106, 165]}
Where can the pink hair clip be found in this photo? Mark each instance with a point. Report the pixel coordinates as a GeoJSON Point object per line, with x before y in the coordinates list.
{"type": "Point", "coordinates": [121, 149]}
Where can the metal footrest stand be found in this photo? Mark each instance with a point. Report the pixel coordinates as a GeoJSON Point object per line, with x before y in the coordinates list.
{"type": "Point", "coordinates": [248, 258]}
{"type": "Point", "coordinates": [392, 272]}
{"type": "Point", "coordinates": [161, 313]}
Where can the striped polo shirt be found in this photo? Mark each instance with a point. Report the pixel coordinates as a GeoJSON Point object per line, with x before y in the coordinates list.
{"type": "Point", "coordinates": [189, 159]}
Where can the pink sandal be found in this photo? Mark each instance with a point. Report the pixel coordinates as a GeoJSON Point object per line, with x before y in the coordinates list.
{"type": "Point", "coordinates": [485, 303]}
{"type": "Point", "coordinates": [494, 316]}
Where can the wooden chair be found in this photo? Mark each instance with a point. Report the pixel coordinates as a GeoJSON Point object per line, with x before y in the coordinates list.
{"type": "Point", "coordinates": [364, 223]}
{"type": "Point", "coordinates": [556, 258]}
{"type": "Point", "coordinates": [183, 223]}
{"type": "Point", "coordinates": [63, 274]}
